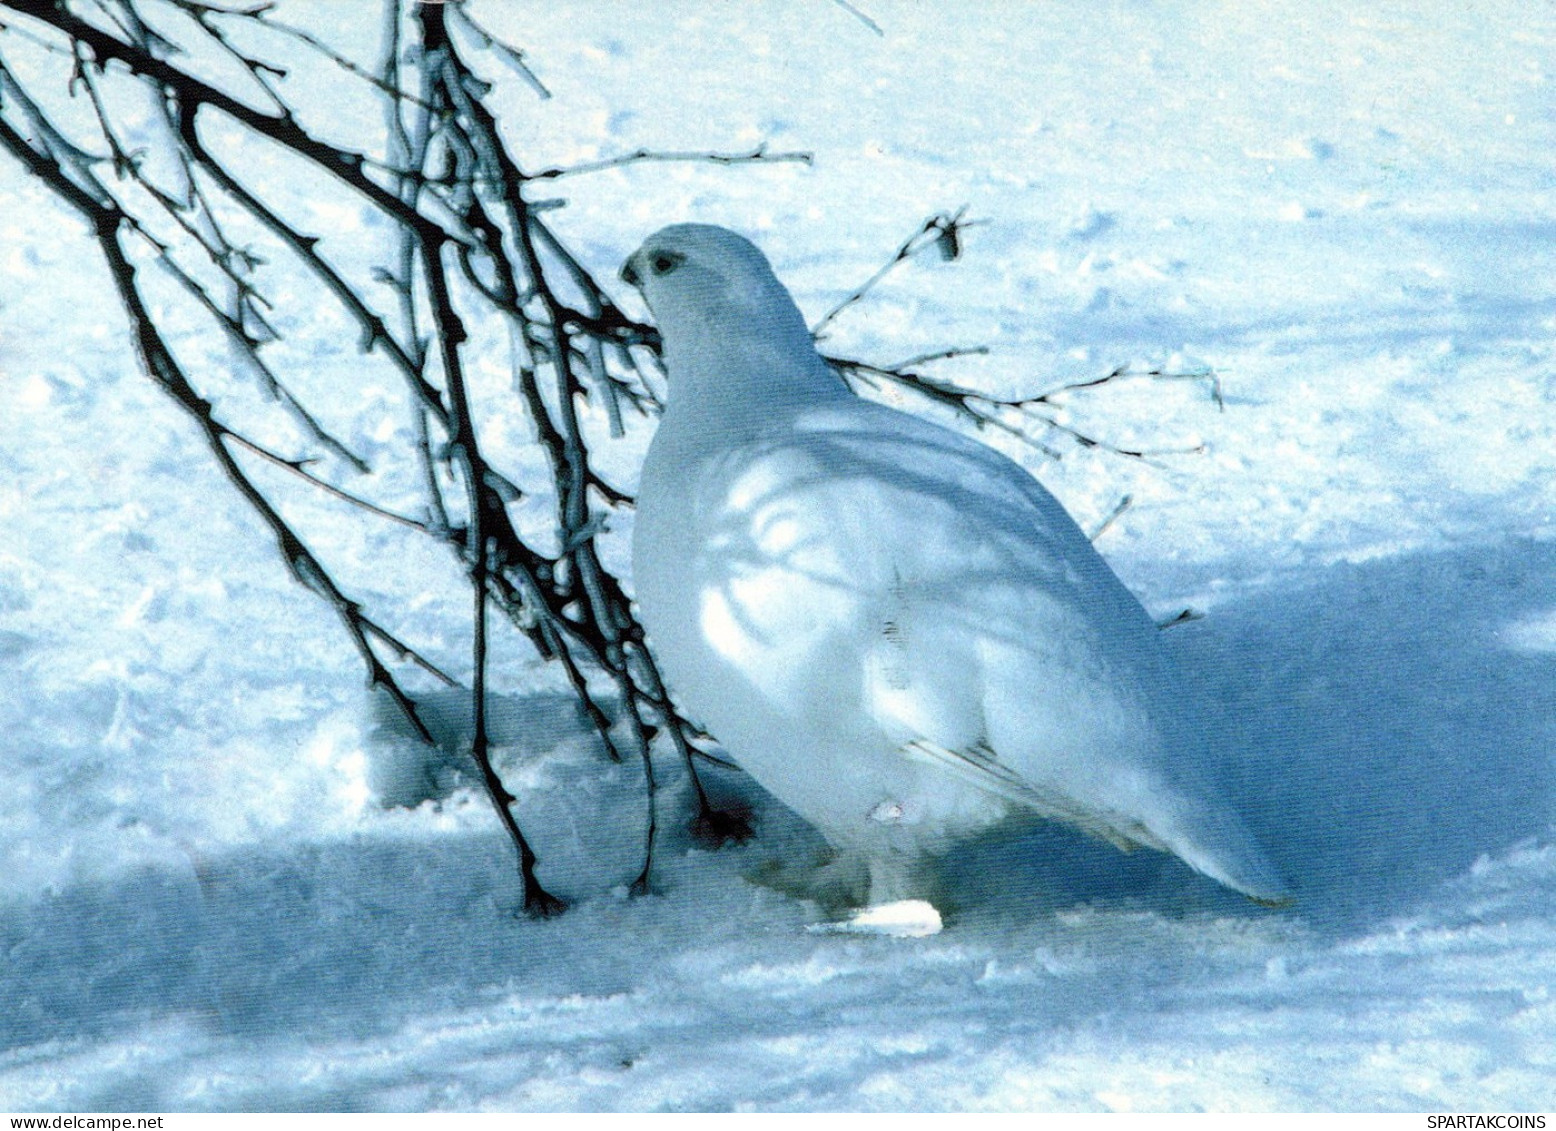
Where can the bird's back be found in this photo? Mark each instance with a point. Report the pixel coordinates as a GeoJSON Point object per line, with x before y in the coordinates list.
{"type": "Point", "coordinates": [858, 585]}
{"type": "Point", "coordinates": [894, 628]}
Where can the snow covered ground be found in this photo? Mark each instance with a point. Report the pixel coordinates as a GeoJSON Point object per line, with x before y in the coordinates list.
{"type": "Point", "coordinates": [1348, 211]}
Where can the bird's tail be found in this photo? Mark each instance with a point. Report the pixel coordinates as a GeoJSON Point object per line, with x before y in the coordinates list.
{"type": "Point", "coordinates": [1220, 846]}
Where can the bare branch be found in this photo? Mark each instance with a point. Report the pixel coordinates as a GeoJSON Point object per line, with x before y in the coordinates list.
{"type": "Point", "coordinates": [1112, 517]}
{"type": "Point", "coordinates": [860, 16]}
{"type": "Point", "coordinates": [299, 468]}
{"type": "Point", "coordinates": [512, 56]}
{"type": "Point", "coordinates": [982, 410]}
{"type": "Point", "coordinates": [941, 231]}
{"type": "Point", "coordinates": [755, 155]}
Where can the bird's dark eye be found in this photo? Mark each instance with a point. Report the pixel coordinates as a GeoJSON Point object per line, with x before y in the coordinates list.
{"type": "Point", "coordinates": [666, 261]}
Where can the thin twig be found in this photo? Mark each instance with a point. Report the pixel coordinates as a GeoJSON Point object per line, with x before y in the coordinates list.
{"type": "Point", "coordinates": [298, 468]}
{"type": "Point", "coordinates": [510, 55]}
{"type": "Point", "coordinates": [941, 230]}
{"type": "Point", "coordinates": [757, 154]}
{"type": "Point", "coordinates": [860, 16]}
{"type": "Point", "coordinates": [1112, 517]}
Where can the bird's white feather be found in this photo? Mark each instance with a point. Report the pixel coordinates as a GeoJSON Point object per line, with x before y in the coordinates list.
{"type": "Point", "coordinates": [892, 627]}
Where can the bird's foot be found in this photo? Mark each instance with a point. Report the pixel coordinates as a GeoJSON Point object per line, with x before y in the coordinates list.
{"type": "Point", "coordinates": [904, 919]}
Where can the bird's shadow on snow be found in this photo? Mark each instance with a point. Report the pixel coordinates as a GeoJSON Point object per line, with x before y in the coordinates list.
{"type": "Point", "coordinates": [1390, 722]}
{"type": "Point", "coordinates": [1382, 725]}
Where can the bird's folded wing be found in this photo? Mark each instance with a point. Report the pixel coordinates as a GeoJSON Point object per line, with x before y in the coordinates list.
{"type": "Point", "coordinates": [981, 767]}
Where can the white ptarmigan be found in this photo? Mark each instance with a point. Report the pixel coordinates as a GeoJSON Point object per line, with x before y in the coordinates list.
{"type": "Point", "coordinates": [892, 627]}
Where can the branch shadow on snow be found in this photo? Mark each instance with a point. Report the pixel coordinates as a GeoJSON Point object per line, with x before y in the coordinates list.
{"type": "Point", "coordinates": [1385, 725]}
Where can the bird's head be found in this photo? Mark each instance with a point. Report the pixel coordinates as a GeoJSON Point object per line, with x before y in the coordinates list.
{"type": "Point", "coordinates": [698, 278]}
{"type": "Point", "coordinates": [735, 344]}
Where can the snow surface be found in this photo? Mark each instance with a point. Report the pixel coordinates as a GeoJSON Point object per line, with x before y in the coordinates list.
{"type": "Point", "coordinates": [1348, 213]}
